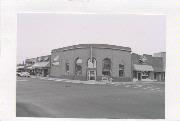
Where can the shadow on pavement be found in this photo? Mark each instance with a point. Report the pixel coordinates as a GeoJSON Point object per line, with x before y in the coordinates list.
{"type": "Point", "coordinates": [30, 110]}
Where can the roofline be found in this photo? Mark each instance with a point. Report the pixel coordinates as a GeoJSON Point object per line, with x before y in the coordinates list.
{"type": "Point", "coordinates": [83, 46]}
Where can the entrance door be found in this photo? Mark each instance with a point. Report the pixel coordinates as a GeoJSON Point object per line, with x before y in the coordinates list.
{"type": "Point", "coordinates": [91, 74]}
{"type": "Point", "coordinates": [139, 76]}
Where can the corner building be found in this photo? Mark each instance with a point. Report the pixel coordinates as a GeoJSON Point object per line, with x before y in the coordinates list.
{"type": "Point", "coordinates": [92, 62]}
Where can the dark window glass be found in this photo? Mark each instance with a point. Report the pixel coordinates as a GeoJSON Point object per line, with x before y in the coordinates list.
{"type": "Point", "coordinates": [78, 66]}
{"type": "Point", "coordinates": [67, 67]}
{"type": "Point", "coordinates": [121, 70]}
{"type": "Point", "coordinates": [106, 67]}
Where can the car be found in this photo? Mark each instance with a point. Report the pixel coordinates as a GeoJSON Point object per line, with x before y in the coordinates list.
{"type": "Point", "coordinates": [18, 73]}
{"type": "Point", "coordinates": [23, 74]}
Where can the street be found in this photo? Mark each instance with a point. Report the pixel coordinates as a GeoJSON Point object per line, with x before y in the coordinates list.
{"type": "Point", "coordinates": [48, 98]}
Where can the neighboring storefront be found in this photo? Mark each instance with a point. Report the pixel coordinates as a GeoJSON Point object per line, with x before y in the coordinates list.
{"type": "Point", "coordinates": [20, 68]}
{"type": "Point", "coordinates": [42, 66]}
{"type": "Point", "coordinates": [147, 67]}
{"type": "Point", "coordinates": [39, 66]}
{"type": "Point", "coordinates": [28, 65]}
{"type": "Point", "coordinates": [92, 62]}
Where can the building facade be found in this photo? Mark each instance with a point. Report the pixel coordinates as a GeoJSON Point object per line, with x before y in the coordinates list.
{"type": "Point", "coordinates": [148, 67]}
{"type": "Point", "coordinates": [92, 62]}
{"type": "Point", "coordinates": [39, 66]}
{"type": "Point", "coordinates": [28, 65]}
{"type": "Point", "coordinates": [163, 56]}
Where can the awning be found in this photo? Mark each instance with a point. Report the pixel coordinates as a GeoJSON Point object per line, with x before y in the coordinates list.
{"type": "Point", "coordinates": [143, 67]}
{"type": "Point", "coordinates": [20, 67]}
{"type": "Point", "coordinates": [30, 67]}
{"type": "Point", "coordinates": [41, 65]}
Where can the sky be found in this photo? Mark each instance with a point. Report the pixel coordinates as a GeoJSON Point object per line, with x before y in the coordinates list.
{"type": "Point", "coordinates": [39, 33]}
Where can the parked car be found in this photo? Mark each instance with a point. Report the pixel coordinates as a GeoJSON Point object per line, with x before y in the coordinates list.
{"type": "Point", "coordinates": [18, 73]}
{"type": "Point", "coordinates": [23, 74]}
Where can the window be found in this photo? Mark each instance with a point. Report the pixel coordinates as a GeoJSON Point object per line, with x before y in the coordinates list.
{"type": "Point", "coordinates": [121, 70]}
{"type": "Point", "coordinates": [67, 67]}
{"type": "Point", "coordinates": [145, 74]}
{"type": "Point", "coordinates": [92, 64]}
{"type": "Point", "coordinates": [106, 67]}
{"type": "Point", "coordinates": [78, 66]}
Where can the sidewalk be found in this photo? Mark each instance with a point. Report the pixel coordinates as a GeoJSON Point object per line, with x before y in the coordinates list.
{"type": "Point", "coordinates": [96, 82]}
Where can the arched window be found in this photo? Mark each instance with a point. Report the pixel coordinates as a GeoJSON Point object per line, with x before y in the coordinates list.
{"type": "Point", "coordinates": [106, 67]}
{"type": "Point", "coordinates": [78, 66]}
{"type": "Point", "coordinates": [91, 64]}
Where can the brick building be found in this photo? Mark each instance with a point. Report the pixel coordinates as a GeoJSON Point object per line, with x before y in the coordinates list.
{"type": "Point", "coordinates": [148, 67]}
{"type": "Point", "coordinates": [92, 62]}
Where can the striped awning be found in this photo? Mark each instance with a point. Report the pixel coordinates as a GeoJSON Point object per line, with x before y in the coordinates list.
{"type": "Point", "coordinates": [143, 67]}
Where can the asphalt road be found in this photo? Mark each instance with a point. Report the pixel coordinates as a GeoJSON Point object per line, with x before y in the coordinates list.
{"type": "Point", "coordinates": [45, 98]}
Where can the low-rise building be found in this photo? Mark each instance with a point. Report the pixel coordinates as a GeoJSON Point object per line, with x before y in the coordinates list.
{"type": "Point", "coordinates": [42, 66]}
{"type": "Point", "coordinates": [39, 66]}
{"type": "Point", "coordinates": [92, 62]}
{"type": "Point", "coordinates": [147, 67]}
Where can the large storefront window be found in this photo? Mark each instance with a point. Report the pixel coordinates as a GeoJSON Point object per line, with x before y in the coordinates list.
{"type": "Point", "coordinates": [92, 64]}
{"type": "Point", "coordinates": [121, 70]}
{"type": "Point", "coordinates": [106, 67]}
{"type": "Point", "coordinates": [78, 66]}
{"type": "Point", "coordinates": [145, 74]}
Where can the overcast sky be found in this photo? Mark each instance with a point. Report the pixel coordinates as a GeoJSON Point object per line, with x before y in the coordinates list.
{"type": "Point", "coordinates": [39, 33]}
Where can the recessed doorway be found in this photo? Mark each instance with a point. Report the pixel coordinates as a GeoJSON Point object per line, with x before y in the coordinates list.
{"type": "Point", "coordinates": [91, 74]}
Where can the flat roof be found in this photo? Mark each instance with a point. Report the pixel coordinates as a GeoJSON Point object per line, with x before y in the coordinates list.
{"type": "Point", "coordinates": [102, 46]}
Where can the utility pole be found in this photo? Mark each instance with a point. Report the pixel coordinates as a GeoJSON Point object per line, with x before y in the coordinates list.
{"type": "Point", "coordinates": [91, 54]}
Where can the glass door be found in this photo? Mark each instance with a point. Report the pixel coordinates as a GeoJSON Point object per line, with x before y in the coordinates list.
{"type": "Point", "coordinates": [91, 74]}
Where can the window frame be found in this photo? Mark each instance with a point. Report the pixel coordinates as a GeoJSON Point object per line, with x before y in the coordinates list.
{"type": "Point", "coordinates": [106, 67]}
{"type": "Point", "coordinates": [78, 65]}
{"type": "Point", "coordinates": [121, 70]}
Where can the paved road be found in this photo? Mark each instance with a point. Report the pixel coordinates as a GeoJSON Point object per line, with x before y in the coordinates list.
{"type": "Point", "coordinates": [45, 98]}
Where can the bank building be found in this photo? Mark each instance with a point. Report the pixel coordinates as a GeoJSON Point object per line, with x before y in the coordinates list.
{"type": "Point", "coordinates": [92, 62]}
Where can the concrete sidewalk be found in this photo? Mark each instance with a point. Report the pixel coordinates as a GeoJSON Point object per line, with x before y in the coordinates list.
{"type": "Point", "coordinates": [96, 82]}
